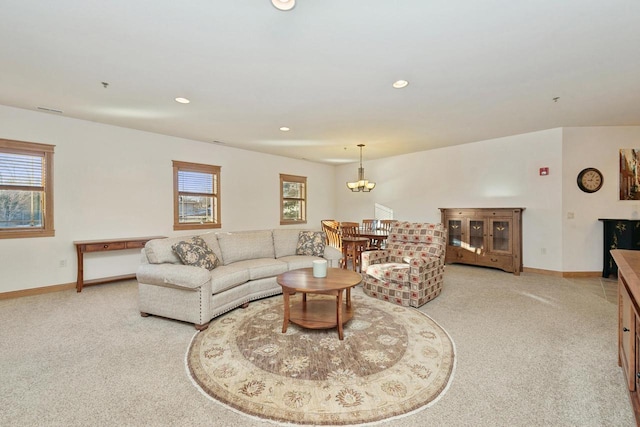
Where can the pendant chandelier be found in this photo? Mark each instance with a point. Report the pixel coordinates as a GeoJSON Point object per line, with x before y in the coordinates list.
{"type": "Point", "coordinates": [361, 184]}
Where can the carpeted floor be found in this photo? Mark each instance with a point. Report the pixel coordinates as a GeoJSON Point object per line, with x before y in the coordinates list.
{"type": "Point", "coordinates": [531, 351]}
{"type": "Point", "coordinates": [393, 361]}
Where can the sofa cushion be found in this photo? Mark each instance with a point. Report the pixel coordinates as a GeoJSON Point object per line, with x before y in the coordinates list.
{"type": "Point", "coordinates": [159, 251]}
{"type": "Point", "coordinates": [390, 272]}
{"type": "Point", "coordinates": [212, 241]}
{"type": "Point", "coordinates": [299, 261]}
{"type": "Point", "coordinates": [245, 245]}
{"type": "Point", "coordinates": [195, 252]}
{"type": "Point", "coordinates": [311, 243]}
{"type": "Point", "coordinates": [262, 267]}
{"type": "Point", "coordinates": [285, 241]}
{"type": "Point", "coordinates": [228, 276]}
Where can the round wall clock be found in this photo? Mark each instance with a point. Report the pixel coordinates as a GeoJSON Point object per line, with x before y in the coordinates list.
{"type": "Point", "coordinates": [590, 180]}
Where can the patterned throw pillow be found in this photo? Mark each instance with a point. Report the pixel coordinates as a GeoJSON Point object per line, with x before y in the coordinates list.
{"type": "Point", "coordinates": [310, 243]}
{"type": "Point", "coordinates": [196, 252]}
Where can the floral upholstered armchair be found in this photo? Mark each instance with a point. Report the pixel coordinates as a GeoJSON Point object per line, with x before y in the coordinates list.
{"type": "Point", "coordinates": [409, 271]}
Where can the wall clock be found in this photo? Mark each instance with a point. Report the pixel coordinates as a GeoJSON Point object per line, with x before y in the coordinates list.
{"type": "Point", "coordinates": [590, 180]}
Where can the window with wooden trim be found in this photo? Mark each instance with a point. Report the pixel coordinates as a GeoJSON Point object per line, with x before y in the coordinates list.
{"type": "Point", "coordinates": [196, 196]}
{"type": "Point", "coordinates": [26, 189]}
{"type": "Point", "coordinates": [293, 199]}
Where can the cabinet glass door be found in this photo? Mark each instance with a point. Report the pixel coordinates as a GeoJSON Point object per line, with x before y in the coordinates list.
{"type": "Point", "coordinates": [455, 233]}
{"type": "Point", "coordinates": [476, 235]}
{"type": "Point", "coordinates": [500, 236]}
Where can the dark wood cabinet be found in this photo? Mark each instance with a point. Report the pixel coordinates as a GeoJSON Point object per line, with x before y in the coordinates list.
{"type": "Point", "coordinates": [490, 237]}
{"type": "Point", "coordinates": [618, 234]}
{"type": "Point", "coordinates": [628, 267]}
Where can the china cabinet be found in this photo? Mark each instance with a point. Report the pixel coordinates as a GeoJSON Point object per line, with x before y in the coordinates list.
{"type": "Point", "coordinates": [489, 237]}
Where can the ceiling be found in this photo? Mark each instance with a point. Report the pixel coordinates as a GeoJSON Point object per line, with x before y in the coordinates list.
{"type": "Point", "coordinates": [476, 69]}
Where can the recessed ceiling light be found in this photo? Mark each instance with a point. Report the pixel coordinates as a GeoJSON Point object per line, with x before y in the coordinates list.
{"type": "Point", "coordinates": [400, 84]}
{"type": "Point", "coordinates": [182, 100]}
{"type": "Point", "coordinates": [285, 129]}
{"type": "Point", "coordinates": [284, 4]}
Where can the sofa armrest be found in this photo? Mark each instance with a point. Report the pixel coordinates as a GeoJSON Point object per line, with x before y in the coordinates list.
{"type": "Point", "coordinates": [373, 257]}
{"type": "Point", "coordinates": [174, 275]}
{"type": "Point", "coordinates": [332, 254]}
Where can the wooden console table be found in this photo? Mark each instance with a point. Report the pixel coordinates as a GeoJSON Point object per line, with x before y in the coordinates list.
{"type": "Point", "coordinates": [83, 246]}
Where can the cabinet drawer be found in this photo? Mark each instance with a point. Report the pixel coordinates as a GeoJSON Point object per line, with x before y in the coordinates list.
{"type": "Point", "coordinates": [99, 247]}
{"type": "Point", "coordinates": [455, 254]}
{"type": "Point", "coordinates": [503, 262]}
{"type": "Point", "coordinates": [460, 212]}
{"type": "Point", "coordinates": [502, 213]}
{"type": "Point", "coordinates": [136, 245]}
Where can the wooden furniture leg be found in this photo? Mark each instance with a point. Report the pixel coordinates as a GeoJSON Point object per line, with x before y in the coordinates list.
{"type": "Point", "coordinates": [80, 278]}
{"type": "Point", "coordinates": [287, 312]}
{"type": "Point", "coordinates": [339, 314]}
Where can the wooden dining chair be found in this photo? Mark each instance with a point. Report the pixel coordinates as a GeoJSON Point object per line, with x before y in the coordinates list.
{"type": "Point", "coordinates": [350, 228]}
{"type": "Point", "coordinates": [332, 229]}
{"type": "Point", "coordinates": [352, 249]}
{"type": "Point", "coordinates": [385, 224]}
{"type": "Point", "coordinates": [368, 224]}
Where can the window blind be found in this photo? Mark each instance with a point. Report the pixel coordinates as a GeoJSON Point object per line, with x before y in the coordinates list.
{"type": "Point", "coordinates": [195, 182]}
{"type": "Point", "coordinates": [20, 170]}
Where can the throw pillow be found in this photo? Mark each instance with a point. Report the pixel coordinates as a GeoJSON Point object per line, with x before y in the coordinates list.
{"type": "Point", "coordinates": [311, 243]}
{"type": "Point", "coordinates": [196, 252]}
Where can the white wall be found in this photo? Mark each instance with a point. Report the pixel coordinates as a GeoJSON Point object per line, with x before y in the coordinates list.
{"type": "Point", "coordinates": [113, 182]}
{"type": "Point", "coordinates": [502, 172]}
{"type": "Point", "coordinates": [596, 147]}
{"type": "Point", "coordinates": [505, 172]}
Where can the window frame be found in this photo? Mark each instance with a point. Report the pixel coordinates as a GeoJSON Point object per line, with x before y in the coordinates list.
{"type": "Point", "coordinates": [293, 178]}
{"type": "Point", "coordinates": [202, 168]}
{"type": "Point", "coordinates": [45, 151]}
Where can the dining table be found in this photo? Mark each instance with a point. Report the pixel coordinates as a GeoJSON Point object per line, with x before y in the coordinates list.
{"type": "Point", "coordinates": [376, 237]}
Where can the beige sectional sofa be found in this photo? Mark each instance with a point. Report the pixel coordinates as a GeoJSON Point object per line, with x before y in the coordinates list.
{"type": "Point", "coordinates": [249, 262]}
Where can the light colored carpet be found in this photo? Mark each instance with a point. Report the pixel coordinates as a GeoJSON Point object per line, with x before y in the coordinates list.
{"type": "Point", "coordinates": [531, 351]}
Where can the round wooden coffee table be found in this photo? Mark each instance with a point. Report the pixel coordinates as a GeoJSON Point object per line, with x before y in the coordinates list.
{"type": "Point", "coordinates": [318, 313]}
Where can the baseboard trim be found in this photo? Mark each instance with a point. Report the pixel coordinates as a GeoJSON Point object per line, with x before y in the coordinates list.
{"type": "Point", "coordinates": [581, 274]}
{"type": "Point", "coordinates": [37, 291]}
{"type": "Point", "coordinates": [565, 274]}
{"type": "Point", "coordinates": [72, 285]}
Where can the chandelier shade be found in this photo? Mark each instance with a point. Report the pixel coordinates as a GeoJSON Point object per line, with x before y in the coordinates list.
{"type": "Point", "coordinates": [362, 184]}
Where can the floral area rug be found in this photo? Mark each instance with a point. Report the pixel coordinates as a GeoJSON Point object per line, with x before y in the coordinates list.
{"type": "Point", "coordinates": [393, 361]}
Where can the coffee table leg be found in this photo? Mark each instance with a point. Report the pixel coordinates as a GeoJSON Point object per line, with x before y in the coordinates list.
{"type": "Point", "coordinates": [339, 314]}
{"type": "Point", "coordinates": [287, 312]}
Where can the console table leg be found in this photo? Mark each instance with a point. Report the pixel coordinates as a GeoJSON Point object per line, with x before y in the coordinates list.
{"type": "Point", "coordinates": [80, 278]}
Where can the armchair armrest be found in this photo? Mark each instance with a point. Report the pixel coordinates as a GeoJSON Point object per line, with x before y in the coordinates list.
{"type": "Point", "coordinates": [173, 275]}
{"type": "Point", "coordinates": [422, 268]}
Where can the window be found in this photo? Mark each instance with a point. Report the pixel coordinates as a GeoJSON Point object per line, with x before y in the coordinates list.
{"type": "Point", "coordinates": [196, 196]}
{"type": "Point", "coordinates": [293, 199]}
{"type": "Point", "coordinates": [26, 189]}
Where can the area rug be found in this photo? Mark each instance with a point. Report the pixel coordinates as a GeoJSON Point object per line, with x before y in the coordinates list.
{"type": "Point", "coordinates": [392, 362]}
